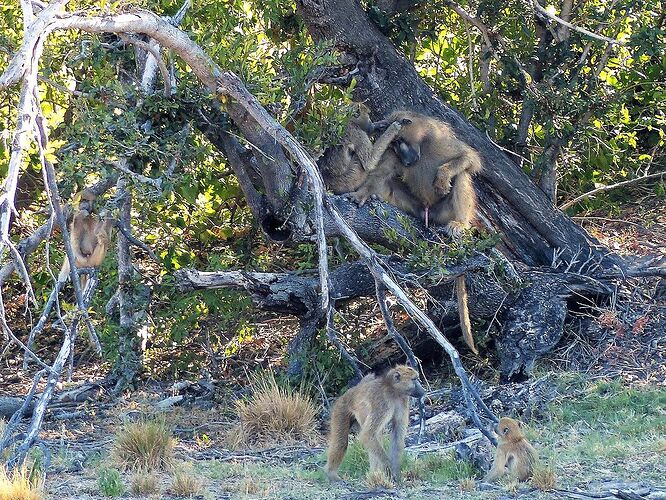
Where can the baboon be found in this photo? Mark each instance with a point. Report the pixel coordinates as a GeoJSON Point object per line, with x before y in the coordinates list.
{"type": "Point", "coordinates": [428, 173]}
{"type": "Point", "coordinates": [374, 403]}
{"type": "Point", "coordinates": [515, 455]}
{"type": "Point", "coordinates": [345, 167]}
{"type": "Point", "coordinates": [89, 237]}
{"type": "Point", "coordinates": [435, 168]}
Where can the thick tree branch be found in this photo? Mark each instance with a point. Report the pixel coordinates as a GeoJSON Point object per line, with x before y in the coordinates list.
{"type": "Point", "coordinates": [128, 364]}
{"type": "Point", "coordinates": [292, 293]}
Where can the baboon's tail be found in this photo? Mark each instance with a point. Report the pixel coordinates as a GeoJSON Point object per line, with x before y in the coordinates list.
{"type": "Point", "coordinates": [463, 313]}
{"type": "Point", "coordinates": [338, 438]}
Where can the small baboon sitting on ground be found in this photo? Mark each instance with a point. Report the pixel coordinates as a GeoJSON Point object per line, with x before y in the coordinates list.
{"type": "Point", "coordinates": [515, 455]}
{"type": "Point", "coordinates": [374, 403]}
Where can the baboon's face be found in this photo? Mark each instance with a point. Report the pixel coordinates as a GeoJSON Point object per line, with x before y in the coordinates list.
{"type": "Point", "coordinates": [86, 205]}
{"type": "Point", "coordinates": [508, 428]}
{"type": "Point", "coordinates": [406, 380]}
{"type": "Point", "coordinates": [408, 153]}
{"type": "Point", "coordinates": [418, 391]}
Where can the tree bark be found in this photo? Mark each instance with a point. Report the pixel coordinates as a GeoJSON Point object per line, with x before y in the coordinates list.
{"type": "Point", "coordinates": [128, 364]}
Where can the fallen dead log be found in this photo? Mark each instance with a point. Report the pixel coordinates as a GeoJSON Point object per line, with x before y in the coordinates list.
{"type": "Point", "coordinates": [10, 405]}
{"type": "Point", "coordinates": [527, 316]}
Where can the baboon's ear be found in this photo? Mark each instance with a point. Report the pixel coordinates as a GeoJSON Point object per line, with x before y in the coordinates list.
{"type": "Point", "coordinates": [396, 376]}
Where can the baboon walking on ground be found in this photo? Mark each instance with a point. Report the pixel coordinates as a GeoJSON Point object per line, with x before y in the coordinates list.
{"type": "Point", "coordinates": [374, 403]}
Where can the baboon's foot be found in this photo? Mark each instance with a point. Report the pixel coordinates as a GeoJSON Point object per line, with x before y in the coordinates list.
{"type": "Point", "coordinates": [454, 229]}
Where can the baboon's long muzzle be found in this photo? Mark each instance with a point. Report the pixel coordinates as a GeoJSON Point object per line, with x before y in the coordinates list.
{"type": "Point", "coordinates": [418, 391]}
{"type": "Point", "coordinates": [408, 155]}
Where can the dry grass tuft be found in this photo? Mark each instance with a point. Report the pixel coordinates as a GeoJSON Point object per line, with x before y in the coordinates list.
{"type": "Point", "coordinates": [544, 478]}
{"type": "Point", "coordinates": [275, 414]}
{"type": "Point", "coordinates": [661, 447]}
{"type": "Point", "coordinates": [467, 484]}
{"type": "Point", "coordinates": [249, 486]}
{"type": "Point", "coordinates": [18, 486]}
{"type": "Point", "coordinates": [185, 483]}
{"type": "Point", "coordinates": [144, 484]}
{"type": "Point", "coordinates": [379, 480]}
{"type": "Point", "coordinates": [145, 445]}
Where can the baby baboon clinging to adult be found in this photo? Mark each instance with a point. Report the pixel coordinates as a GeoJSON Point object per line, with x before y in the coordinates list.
{"type": "Point", "coordinates": [515, 455]}
{"type": "Point", "coordinates": [345, 167]}
{"type": "Point", "coordinates": [89, 237]}
{"type": "Point", "coordinates": [374, 403]}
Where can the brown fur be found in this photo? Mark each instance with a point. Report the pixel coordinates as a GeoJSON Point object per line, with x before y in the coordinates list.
{"type": "Point", "coordinates": [515, 455]}
{"type": "Point", "coordinates": [373, 404]}
{"type": "Point", "coordinates": [89, 237]}
{"type": "Point", "coordinates": [345, 167]}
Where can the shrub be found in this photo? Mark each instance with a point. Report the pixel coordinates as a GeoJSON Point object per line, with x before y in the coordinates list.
{"type": "Point", "coordinates": [249, 486]}
{"type": "Point", "coordinates": [379, 480]}
{"type": "Point", "coordinates": [145, 445]}
{"type": "Point", "coordinates": [185, 483]}
{"type": "Point", "coordinates": [110, 483]}
{"type": "Point", "coordinates": [544, 478]}
{"type": "Point", "coordinates": [144, 484]}
{"type": "Point", "coordinates": [275, 414]}
{"type": "Point", "coordinates": [467, 485]}
{"type": "Point", "coordinates": [17, 485]}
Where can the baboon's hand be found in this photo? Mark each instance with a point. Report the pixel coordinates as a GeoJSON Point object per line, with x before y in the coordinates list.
{"type": "Point", "coordinates": [443, 183]}
{"type": "Point", "coordinates": [492, 475]}
{"type": "Point", "coordinates": [102, 238]}
{"type": "Point", "coordinates": [360, 196]}
{"type": "Point", "coordinates": [394, 127]}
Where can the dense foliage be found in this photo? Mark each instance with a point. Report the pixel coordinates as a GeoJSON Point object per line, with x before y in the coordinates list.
{"type": "Point", "coordinates": [565, 105]}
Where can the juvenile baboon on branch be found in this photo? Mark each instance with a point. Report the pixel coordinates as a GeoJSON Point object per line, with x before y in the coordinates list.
{"type": "Point", "coordinates": [89, 237]}
{"type": "Point", "coordinates": [515, 455]}
{"type": "Point", "coordinates": [345, 166]}
{"type": "Point", "coordinates": [374, 403]}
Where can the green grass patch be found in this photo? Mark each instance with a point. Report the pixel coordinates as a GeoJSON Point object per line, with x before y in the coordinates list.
{"type": "Point", "coordinates": [437, 469]}
{"type": "Point", "coordinates": [431, 468]}
{"type": "Point", "coordinates": [611, 406]}
{"type": "Point", "coordinates": [608, 421]}
{"type": "Point", "coordinates": [110, 483]}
